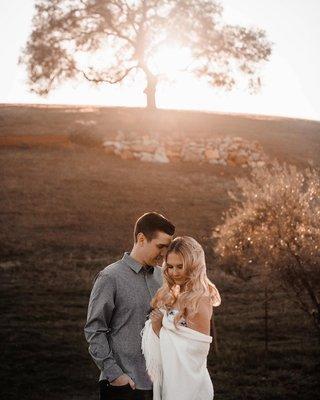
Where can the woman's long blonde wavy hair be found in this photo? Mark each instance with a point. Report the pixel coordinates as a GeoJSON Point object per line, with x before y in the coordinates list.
{"type": "Point", "coordinates": [197, 284]}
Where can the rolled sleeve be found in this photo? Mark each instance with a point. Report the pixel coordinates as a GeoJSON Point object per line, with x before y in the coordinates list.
{"type": "Point", "coordinates": [100, 310]}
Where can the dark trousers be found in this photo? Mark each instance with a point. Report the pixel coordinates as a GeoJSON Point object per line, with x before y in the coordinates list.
{"type": "Point", "coordinates": [109, 392]}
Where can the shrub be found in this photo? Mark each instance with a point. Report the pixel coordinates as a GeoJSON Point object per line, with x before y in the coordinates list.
{"type": "Point", "coordinates": [273, 230]}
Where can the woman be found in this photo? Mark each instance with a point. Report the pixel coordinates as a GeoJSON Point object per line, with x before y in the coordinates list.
{"type": "Point", "coordinates": [176, 339]}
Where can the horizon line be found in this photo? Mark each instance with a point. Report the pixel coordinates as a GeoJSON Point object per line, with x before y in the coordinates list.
{"type": "Point", "coordinates": [251, 115]}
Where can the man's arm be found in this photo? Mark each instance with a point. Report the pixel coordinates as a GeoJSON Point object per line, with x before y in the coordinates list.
{"type": "Point", "coordinates": [100, 310]}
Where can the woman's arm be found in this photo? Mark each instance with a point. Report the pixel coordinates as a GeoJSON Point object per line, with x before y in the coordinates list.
{"type": "Point", "coordinates": [156, 317]}
{"type": "Point", "coordinates": [201, 320]}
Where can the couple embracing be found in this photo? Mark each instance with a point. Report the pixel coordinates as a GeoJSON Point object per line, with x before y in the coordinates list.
{"type": "Point", "coordinates": [148, 323]}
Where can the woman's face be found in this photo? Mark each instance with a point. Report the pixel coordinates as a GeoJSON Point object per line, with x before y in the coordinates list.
{"type": "Point", "coordinates": [175, 268]}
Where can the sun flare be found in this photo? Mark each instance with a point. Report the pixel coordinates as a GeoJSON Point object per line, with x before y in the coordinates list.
{"type": "Point", "coordinates": [170, 60]}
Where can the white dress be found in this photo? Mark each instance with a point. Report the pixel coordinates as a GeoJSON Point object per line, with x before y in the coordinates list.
{"type": "Point", "coordinates": [177, 360]}
{"type": "Point", "coordinates": [172, 313]}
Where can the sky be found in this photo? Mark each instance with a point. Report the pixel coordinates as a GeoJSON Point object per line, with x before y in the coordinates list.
{"type": "Point", "coordinates": [290, 80]}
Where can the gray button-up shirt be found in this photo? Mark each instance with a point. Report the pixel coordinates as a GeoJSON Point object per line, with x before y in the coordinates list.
{"type": "Point", "coordinates": [118, 307]}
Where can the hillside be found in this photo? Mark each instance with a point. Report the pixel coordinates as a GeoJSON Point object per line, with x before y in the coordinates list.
{"type": "Point", "coordinates": [291, 140]}
{"type": "Point", "coordinates": [67, 211]}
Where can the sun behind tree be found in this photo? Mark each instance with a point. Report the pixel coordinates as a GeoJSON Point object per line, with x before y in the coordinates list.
{"type": "Point", "coordinates": [160, 38]}
{"type": "Point", "coordinates": [170, 60]}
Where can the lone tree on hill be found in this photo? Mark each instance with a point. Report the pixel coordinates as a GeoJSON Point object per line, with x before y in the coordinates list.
{"type": "Point", "coordinates": [274, 231]}
{"type": "Point", "coordinates": [125, 36]}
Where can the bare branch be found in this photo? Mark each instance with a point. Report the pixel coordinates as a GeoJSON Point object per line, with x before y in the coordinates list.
{"type": "Point", "coordinates": [106, 80]}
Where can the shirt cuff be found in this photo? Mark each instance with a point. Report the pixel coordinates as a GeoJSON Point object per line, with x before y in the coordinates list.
{"type": "Point", "coordinates": [112, 373]}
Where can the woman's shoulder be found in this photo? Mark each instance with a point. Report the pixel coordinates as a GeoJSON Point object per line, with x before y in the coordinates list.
{"type": "Point", "coordinates": [200, 321]}
{"type": "Point", "coordinates": [205, 305]}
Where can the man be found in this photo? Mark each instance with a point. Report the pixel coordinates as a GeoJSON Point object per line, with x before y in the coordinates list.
{"type": "Point", "coordinates": [118, 307]}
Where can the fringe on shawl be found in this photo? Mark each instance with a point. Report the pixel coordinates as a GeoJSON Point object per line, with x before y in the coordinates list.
{"type": "Point", "coordinates": [150, 346]}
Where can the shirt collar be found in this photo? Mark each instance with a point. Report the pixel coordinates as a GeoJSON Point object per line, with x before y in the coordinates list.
{"type": "Point", "coordinates": [135, 265]}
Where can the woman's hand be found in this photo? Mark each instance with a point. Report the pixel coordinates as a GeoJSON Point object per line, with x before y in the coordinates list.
{"type": "Point", "coordinates": [156, 317]}
{"type": "Point", "coordinates": [175, 290]}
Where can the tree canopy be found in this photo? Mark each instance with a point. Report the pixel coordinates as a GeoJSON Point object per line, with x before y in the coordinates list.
{"type": "Point", "coordinates": [123, 36]}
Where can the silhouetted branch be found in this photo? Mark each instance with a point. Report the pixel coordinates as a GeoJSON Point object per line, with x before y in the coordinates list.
{"type": "Point", "coordinates": [106, 80]}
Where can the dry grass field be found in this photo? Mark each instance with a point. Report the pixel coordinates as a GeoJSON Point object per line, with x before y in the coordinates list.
{"type": "Point", "coordinates": [66, 211]}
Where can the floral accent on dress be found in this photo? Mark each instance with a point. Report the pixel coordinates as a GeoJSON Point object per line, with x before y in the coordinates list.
{"type": "Point", "coordinates": [172, 313]}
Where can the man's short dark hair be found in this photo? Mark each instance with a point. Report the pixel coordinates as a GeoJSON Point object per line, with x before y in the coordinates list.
{"type": "Point", "coordinates": [150, 223]}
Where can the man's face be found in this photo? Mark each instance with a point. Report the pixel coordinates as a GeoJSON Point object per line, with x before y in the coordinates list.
{"type": "Point", "coordinates": [155, 250]}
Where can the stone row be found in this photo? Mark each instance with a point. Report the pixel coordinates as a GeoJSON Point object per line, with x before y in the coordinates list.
{"type": "Point", "coordinates": [234, 151]}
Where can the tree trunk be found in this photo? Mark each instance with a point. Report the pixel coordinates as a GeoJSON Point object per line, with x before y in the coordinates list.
{"type": "Point", "coordinates": [150, 90]}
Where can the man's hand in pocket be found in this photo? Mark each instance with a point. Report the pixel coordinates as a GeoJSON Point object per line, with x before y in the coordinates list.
{"type": "Point", "coordinates": [123, 380]}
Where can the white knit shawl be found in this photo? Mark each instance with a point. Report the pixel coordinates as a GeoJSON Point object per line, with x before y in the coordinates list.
{"type": "Point", "coordinates": [177, 362]}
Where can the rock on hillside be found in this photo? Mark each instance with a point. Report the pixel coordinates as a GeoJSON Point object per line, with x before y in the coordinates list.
{"type": "Point", "coordinates": [233, 151]}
